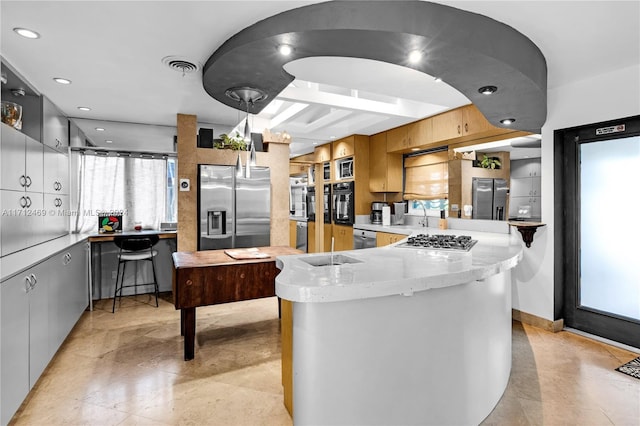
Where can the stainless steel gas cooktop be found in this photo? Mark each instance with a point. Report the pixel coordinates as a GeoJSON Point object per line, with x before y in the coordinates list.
{"type": "Point", "coordinates": [439, 242]}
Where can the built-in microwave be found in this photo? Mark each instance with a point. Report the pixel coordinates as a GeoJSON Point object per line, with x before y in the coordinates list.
{"type": "Point", "coordinates": [344, 168]}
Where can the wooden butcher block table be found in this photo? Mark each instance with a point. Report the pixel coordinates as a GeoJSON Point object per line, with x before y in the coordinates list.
{"type": "Point", "coordinates": [212, 277]}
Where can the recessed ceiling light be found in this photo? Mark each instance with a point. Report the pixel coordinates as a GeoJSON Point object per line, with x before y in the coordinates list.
{"type": "Point", "coordinates": [332, 137]}
{"type": "Point", "coordinates": [100, 129]}
{"type": "Point", "coordinates": [488, 90]}
{"type": "Point", "coordinates": [109, 141]}
{"type": "Point", "coordinates": [507, 121]}
{"type": "Point", "coordinates": [285, 49]}
{"type": "Point", "coordinates": [62, 80]}
{"type": "Point", "coordinates": [315, 143]}
{"type": "Point", "coordinates": [26, 33]}
{"type": "Point", "coordinates": [415, 56]}
{"type": "Point", "coordinates": [84, 108]}
{"type": "Point", "coordinates": [437, 79]}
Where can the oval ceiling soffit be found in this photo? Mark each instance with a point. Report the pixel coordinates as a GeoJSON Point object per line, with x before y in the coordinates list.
{"type": "Point", "coordinates": [467, 50]}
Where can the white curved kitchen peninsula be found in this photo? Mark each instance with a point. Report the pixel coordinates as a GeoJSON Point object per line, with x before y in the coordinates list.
{"type": "Point", "coordinates": [401, 336]}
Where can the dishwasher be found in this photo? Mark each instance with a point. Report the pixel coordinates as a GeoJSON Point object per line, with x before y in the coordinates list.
{"type": "Point", "coordinates": [301, 236]}
{"type": "Point", "coordinates": [363, 239]}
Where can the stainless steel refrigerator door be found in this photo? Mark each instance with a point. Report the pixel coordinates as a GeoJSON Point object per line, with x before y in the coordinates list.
{"type": "Point", "coordinates": [215, 194]}
{"type": "Point", "coordinates": [482, 198]}
{"type": "Point", "coordinates": [500, 194]}
{"type": "Point", "coordinates": [253, 209]}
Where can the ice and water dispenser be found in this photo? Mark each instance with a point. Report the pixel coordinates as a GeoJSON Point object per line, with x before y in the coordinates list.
{"type": "Point", "coordinates": [216, 222]}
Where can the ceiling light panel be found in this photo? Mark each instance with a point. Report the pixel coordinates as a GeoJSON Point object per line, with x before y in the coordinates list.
{"type": "Point", "coordinates": [26, 33]}
{"type": "Point", "coordinates": [61, 80]}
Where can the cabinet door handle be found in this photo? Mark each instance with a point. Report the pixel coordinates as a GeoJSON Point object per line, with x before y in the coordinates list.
{"type": "Point", "coordinates": [58, 143]}
{"type": "Point", "coordinates": [34, 281]}
{"type": "Point", "coordinates": [458, 129]}
{"type": "Point", "coordinates": [28, 181]}
{"type": "Point", "coordinates": [28, 202]}
{"type": "Point", "coordinates": [23, 202]}
{"type": "Point", "coordinates": [466, 127]}
{"type": "Point", "coordinates": [23, 181]}
{"type": "Point", "coordinates": [27, 284]}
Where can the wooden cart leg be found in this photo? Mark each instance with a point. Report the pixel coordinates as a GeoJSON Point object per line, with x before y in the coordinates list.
{"type": "Point", "coordinates": [182, 322]}
{"type": "Point", "coordinates": [189, 332]}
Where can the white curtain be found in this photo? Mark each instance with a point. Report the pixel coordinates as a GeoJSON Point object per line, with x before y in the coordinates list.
{"type": "Point", "coordinates": [135, 186]}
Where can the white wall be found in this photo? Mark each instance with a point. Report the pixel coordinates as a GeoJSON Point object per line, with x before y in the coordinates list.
{"type": "Point", "coordinates": [604, 97]}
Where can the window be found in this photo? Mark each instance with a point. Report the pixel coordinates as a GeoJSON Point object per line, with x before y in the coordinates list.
{"type": "Point", "coordinates": [171, 213]}
{"type": "Point", "coordinates": [426, 183]}
{"type": "Point", "coordinates": [143, 189]}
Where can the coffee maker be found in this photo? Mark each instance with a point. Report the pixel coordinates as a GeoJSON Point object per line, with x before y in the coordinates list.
{"type": "Point", "coordinates": [376, 212]}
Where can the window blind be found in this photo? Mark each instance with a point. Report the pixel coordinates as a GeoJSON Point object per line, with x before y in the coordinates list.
{"type": "Point", "coordinates": [427, 177]}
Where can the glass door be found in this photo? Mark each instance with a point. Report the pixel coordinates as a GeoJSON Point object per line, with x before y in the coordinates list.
{"type": "Point", "coordinates": [599, 229]}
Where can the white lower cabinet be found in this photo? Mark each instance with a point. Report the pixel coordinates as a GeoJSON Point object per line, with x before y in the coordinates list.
{"type": "Point", "coordinates": [39, 307]}
{"type": "Point", "coordinates": [14, 353]}
{"type": "Point", "coordinates": [68, 293]}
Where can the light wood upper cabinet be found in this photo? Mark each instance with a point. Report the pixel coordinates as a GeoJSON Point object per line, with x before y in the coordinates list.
{"type": "Point", "coordinates": [322, 153]}
{"type": "Point", "coordinates": [398, 139]}
{"type": "Point", "coordinates": [447, 125]}
{"type": "Point", "coordinates": [474, 122]}
{"type": "Point", "coordinates": [420, 133]}
{"type": "Point", "coordinates": [344, 147]}
{"type": "Point", "coordinates": [385, 170]}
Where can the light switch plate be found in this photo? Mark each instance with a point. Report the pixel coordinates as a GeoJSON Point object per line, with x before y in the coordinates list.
{"type": "Point", "coordinates": [185, 185]}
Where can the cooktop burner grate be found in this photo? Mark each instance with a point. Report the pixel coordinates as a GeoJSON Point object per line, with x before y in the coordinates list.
{"type": "Point", "coordinates": [440, 242]}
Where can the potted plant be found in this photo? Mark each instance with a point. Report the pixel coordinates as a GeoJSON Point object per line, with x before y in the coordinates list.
{"type": "Point", "coordinates": [235, 143]}
{"type": "Point", "coordinates": [490, 162]}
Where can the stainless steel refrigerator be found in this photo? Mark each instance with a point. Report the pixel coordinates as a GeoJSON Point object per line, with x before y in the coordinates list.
{"type": "Point", "coordinates": [489, 198]}
{"type": "Point", "coordinates": [233, 211]}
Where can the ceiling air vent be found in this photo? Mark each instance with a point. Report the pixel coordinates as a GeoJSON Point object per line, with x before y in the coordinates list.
{"type": "Point", "coordinates": [180, 64]}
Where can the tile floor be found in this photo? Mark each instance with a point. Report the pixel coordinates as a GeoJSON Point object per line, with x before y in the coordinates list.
{"type": "Point", "coordinates": [127, 369]}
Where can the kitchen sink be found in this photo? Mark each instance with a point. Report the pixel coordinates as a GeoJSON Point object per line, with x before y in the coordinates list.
{"type": "Point", "coordinates": [327, 260]}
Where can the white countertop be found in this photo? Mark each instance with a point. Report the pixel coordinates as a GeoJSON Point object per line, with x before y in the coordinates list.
{"type": "Point", "coordinates": [17, 262]}
{"type": "Point", "coordinates": [393, 270]}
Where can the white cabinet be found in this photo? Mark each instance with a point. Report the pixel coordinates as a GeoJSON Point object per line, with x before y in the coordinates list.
{"type": "Point", "coordinates": [525, 207]}
{"type": "Point", "coordinates": [525, 187]}
{"type": "Point", "coordinates": [56, 171]}
{"type": "Point", "coordinates": [39, 352]}
{"type": "Point", "coordinates": [56, 220]}
{"type": "Point", "coordinates": [55, 126]}
{"type": "Point", "coordinates": [68, 292]}
{"type": "Point", "coordinates": [29, 174]}
{"type": "Point", "coordinates": [22, 161]}
{"type": "Point", "coordinates": [525, 191]}
{"type": "Point", "coordinates": [14, 351]}
{"type": "Point", "coordinates": [39, 307]}
{"type": "Point", "coordinates": [22, 220]}
{"type": "Point", "coordinates": [529, 167]}
{"type": "Point", "coordinates": [24, 336]}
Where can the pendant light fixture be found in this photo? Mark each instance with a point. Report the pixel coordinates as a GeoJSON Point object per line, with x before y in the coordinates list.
{"type": "Point", "coordinates": [248, 96]}
{"type": "Point", "coordinates": [239, 167]}
{"type": "Point", "coordinates": [247, 129]}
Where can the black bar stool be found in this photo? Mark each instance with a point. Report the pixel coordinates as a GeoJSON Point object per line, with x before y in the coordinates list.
{"type": "Point", "coordinates": [135, 249]}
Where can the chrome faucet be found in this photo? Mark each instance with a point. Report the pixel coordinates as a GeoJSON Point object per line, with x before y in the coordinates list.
{"type": "Point", "coordinates": [424, 220]}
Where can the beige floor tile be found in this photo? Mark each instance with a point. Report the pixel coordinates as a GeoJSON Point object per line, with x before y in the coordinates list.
{"type": "Point", "coordinates": [127, 368]}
